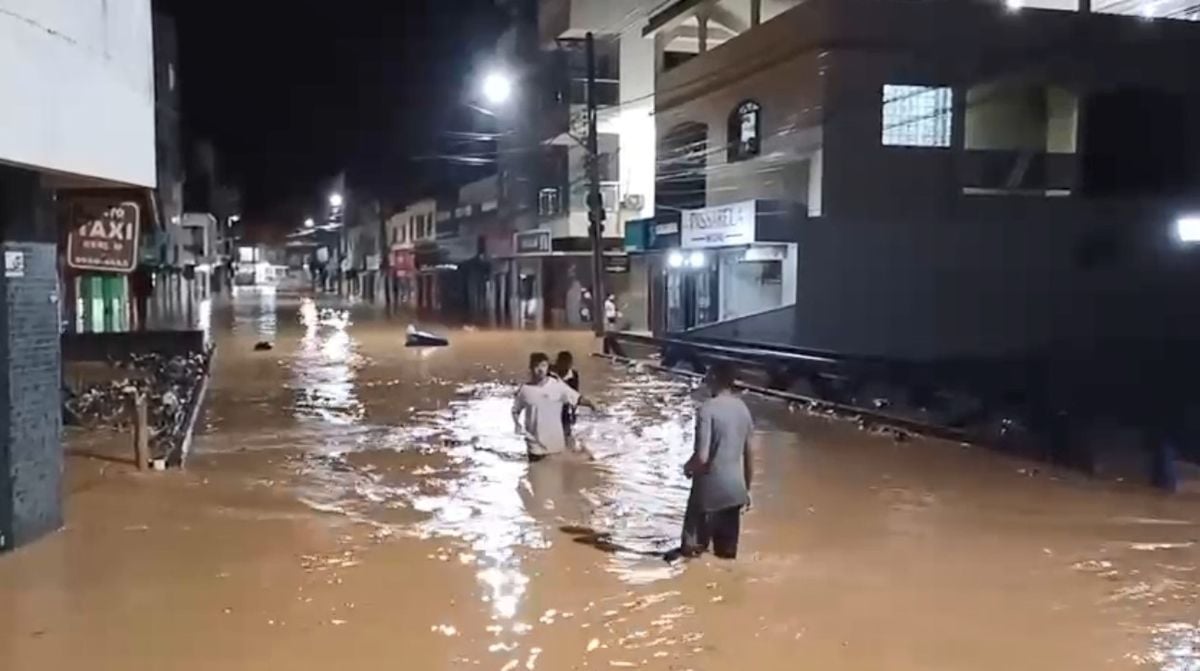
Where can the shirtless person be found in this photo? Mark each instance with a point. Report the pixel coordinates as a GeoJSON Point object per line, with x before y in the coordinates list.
{"type": "Point", "coordinates": [540, 403]}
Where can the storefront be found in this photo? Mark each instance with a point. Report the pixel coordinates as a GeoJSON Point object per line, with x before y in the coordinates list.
{"type": "Point", "coordinates": [552, 288]}
{"type": "Point", "coordinates": [720, 263]}
{"type": "Point", "coordinates": [531, 248]}
{"type": "Point", "coordinates": [403, 277]}
{"type": "Point", "coordinates": [428, 260]}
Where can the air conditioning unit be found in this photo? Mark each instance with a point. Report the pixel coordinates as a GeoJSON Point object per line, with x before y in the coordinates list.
{"type": "Point", "coordinates": [633, 201]}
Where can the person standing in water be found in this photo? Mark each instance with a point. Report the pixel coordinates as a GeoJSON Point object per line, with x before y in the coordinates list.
{"type": "Point", "coordinates": [564, 371]}
{"type": "Point", "coordinates": [538, 409]}
{"type": "Point", "coordinates": [721, 469]}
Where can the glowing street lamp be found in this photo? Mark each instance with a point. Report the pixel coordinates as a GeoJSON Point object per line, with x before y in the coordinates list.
{"type": "Point", "coordinates": [1187, 229]}
{"type": "Point", "coordinates": [309, 223]}
{"type": "Point", "coordinates": [497, 88]}
{"type": "Point", "coordinates": [336, 200]}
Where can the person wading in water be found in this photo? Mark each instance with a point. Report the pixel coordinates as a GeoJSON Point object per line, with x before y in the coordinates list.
{"type": "Point", "coordinates": [721, 469]}
{"type": "Point", "coordinates": [539, 406]}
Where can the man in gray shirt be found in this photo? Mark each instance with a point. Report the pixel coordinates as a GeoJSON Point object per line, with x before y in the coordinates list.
{"type": "Point", "coordinates": [721, 469]}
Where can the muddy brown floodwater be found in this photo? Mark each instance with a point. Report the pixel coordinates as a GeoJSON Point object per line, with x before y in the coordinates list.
{"type": "Point", "coordinates": [354, 504]}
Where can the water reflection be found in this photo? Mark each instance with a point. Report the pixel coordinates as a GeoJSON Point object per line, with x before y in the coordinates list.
{"type": "Point", "coordinates": [641, 443]}
{"type": "Point", "coordinates": [440, 462]}
{"type": "Point", "coordinates": [255, 312]}
{"type": "Point", "coordinates": [483, 506]}
{"type": "Point", "coordinates": [1174, 647]}
{"type": "Point", "coordinates": [325, 366]}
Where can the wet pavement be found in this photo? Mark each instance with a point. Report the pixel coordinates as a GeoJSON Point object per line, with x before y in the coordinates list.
{"type": "Point", "coordinates": [355, 504]}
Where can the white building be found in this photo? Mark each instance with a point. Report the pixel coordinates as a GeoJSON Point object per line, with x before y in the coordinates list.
{"type": "Point", "coordinates": [77, 85]}
{"type": "Point", "coordinates": [625, 88]}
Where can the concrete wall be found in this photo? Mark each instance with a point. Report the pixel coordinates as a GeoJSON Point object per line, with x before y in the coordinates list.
{"type": "Point", "coordinates": [77, 81]}
{"type": "Point", "coordinates": [789, 86]}
{"type": "Point", "coordinates": [904, 264]}
{"type": "Point", "coordinates": [776, 326]}
{"type": "Point", "coordinates": [32, 396]}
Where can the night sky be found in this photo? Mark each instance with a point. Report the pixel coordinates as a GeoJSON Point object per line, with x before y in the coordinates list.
{"type": "Point", "coordinates": [293, 91]}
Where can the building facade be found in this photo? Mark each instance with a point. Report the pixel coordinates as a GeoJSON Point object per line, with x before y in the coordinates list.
{"type": "Point", "coordinates": [543, 160]}
{"type": "Point", "coordinates": [56, 137]}
{"type": "Point", "coordinates": [948, 179]}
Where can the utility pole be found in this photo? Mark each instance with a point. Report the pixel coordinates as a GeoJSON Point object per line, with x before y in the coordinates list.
{"type": "Point", "coordinates": [594, 200]}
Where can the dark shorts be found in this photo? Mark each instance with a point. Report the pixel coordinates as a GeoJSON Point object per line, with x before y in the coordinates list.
{"type": "Point", "coordinates": [719, 529]}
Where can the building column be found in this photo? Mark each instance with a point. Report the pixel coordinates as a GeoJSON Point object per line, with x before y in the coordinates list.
{"type": "Point", "coordinates": [660, 53]}
{"type": "Point", "coordinates": [755, 12]}
{"type": "Point", "coordinates": [702, 30]}
{"type": "Point", "coordinates": [31, 458]}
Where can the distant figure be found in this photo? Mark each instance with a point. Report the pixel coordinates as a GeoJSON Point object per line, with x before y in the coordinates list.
{"type": "Point", "coordinates": [540, 403]}
{"type": "Point", "coordinates": [142, 286]}
{"type": "Point", "coordinates": [564, 370]}
{"type": "Point", "coordinates": [721, 469]}
{"type": "Point", "coordinates": [611, 313]}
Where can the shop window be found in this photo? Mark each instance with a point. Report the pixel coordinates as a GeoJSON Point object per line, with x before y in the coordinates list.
{"type": "Point", "coordinates": [917, 116]}
{"type": "Point", "coordinates": [1016, 116]}
{"type": "Point", "coordinates": [772, 272]}
{"type": "Point", "coordinates": [744, 132]}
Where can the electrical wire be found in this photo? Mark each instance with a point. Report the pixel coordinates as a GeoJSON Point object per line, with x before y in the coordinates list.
{"type": "Point", "coordinates": [686, 157]}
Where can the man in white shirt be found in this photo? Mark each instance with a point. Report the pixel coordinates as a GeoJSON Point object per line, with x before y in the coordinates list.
{"type": "Point", "coordinates": [540, 402]}
{"type": "Point", "coordinates": [611, 313]}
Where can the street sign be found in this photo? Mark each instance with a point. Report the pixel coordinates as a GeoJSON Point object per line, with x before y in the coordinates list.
{"type": "Point", "coordinates": [532, 242]}
{"type": "Point", "coordinates": [720, 226]}
{"type": "Point", "coordinates": [104, 236]}
{"type": "Point", "coordinates": [616, 264]}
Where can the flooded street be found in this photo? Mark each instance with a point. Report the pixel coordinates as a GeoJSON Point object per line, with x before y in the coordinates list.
{"type": "Point", "coordinates": [354, 504]}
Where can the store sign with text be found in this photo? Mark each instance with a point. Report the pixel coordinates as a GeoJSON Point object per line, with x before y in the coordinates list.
{"type": "Point", "coordinates": [532, 242]}
{"type": "Point", "coordinates": [720, 226]}
{"type": "Point", "coordinates": [104, 236]}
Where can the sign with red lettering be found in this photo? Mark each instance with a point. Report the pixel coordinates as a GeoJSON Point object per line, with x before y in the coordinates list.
{"type": "Point", "coordinates": [104, 236]}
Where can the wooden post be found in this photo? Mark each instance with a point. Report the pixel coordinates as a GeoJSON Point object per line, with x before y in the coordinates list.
{"type": "Point", "coordinates": [141, 431]}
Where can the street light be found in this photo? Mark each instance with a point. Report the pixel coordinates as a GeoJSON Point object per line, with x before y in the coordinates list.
{"type": "Point", "coordinates": [497, 88]}
{"type": "Point", "coordinates": [335, 200]}
{"type": "Point", "coordinates": [1187, 229]}
{"type": "Point", "coordinates": [309, 223]}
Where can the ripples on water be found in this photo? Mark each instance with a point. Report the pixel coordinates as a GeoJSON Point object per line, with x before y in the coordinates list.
{"type": "Point", "coordinates": [464, 470]}
{"type": "Point", "coordinates": [326, 367]}
{"type": "Point", "coordinates": [457, 476]}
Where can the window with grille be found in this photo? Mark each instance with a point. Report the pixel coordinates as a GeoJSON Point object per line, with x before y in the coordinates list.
{"type": "Point", "coordinates": [744, 130]}
{"type": "Point", "coordinates": [917, 116]}
{"type": "Point", "coordinates": [548, 202]}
